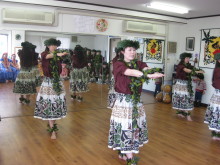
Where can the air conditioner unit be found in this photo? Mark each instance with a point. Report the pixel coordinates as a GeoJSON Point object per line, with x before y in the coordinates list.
{"type": "Point", "coordinates": [27, 16]}
{"type": "Point", "coordinates": [140, 27]}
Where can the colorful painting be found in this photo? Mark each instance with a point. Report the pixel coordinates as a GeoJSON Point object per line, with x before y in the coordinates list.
{"type": "Point", "coordinates": [153, 50]}
{"type": "Point", "coordinates": [210, 45]}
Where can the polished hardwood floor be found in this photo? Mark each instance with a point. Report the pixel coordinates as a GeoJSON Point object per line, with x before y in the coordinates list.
{"type": "Point", "coordinates": [82, 138]}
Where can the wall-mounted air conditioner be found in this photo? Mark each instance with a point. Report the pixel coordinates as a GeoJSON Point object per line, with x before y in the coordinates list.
{"type": "Point", "coordinates": [27, 16]}
{"type": "Point", "coordinates": [140, 27]}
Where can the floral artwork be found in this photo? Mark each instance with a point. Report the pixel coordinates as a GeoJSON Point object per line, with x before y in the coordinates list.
{"type": "Point", "coordinates": [210, 45]}
{"type": "Point", "coordinates": [101, 25]}
{"type": "Point", "coordinates": [153, 50]}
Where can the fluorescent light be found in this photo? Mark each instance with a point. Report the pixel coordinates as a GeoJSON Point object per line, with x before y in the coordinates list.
{"type": "Point", "coordinates": [167, 7]}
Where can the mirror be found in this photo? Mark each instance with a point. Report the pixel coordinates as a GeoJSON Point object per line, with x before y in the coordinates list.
{"type": "Point", "coordinates": [96, 97]}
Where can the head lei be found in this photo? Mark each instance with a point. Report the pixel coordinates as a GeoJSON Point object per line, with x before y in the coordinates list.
{"type": "Point", "coordinates": [52, 41]}
{"type": "Point", "coordinates": [217, 56]}
{"type": "Point", "coordinates": [127, 43]}
{"type": "Point", "coordinates": [26, 44]}
{"type": "Point", "coordinates": [184, 55]}
{"type": "Point", "coordinates": [78, 48]}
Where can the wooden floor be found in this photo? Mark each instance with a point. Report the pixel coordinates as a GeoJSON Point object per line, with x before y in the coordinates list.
{"type": "Point", "coordinates": [82, 138]}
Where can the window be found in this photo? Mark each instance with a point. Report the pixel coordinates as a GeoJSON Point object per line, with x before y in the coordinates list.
{"type": "Point", "coordinates": [3, 43]}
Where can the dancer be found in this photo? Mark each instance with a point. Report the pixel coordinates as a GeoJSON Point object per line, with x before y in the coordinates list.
{"type": "Point", "coordinates": [51, 101]}
{"type": "Point", "coordinates": [183, 94]}
{"type": "Point", "coordinates": [212, 116]}
{"type": "Point", "coordinates": [25, 84]}
{"type": "Point", "coordinates": [79, 76]}
{"type": "Point", "coordinates": [128, 125]}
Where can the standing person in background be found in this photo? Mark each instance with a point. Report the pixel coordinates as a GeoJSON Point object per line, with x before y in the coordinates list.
{"type": "Point", "coordinates": [25, 83]}
{"type": "Point", "coordinates": [79, 76]}
{"type": "Point", "coordinates": [128, 125]}
{"type": "Point", "coordinates": [212, 116]}
{"type": "Point", "coordinates": [158, 83]}
{"type": "Point", "coordinates": [200, 89]}
{"type": "Point", "coordinates": [98, 60]}
{"type": "Point", "coordinates": [183, 94]}
{"type": "Point", "coordinates": [51, 101]}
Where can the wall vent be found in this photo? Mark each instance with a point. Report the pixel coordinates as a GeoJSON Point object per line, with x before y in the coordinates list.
{"type": "Point", "coordinates": [27, 16]}
{"type": "Point", "coordinates": [140, 27]}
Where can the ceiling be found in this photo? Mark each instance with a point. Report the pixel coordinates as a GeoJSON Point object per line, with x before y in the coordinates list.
{"type": "Point", "coordinates": [198, 8]}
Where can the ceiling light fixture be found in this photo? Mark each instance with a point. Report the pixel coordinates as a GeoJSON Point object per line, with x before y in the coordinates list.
{"type": "Point", "coordinates": [167, 7]}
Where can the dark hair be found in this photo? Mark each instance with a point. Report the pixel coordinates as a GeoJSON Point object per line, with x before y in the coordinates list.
{"type": "Point", "coordinates": [26, 56]}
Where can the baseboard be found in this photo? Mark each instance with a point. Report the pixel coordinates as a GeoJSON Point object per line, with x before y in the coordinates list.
{"type": "Point", "coordinates": [147, 91]}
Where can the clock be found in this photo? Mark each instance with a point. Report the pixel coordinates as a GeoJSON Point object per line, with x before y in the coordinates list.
{"type": "Point", "coordinates": [101, 25]}
{"type": "Point", "coordinates": [17, 36]}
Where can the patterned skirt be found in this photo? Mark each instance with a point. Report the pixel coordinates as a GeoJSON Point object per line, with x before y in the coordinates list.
{"type": "Point", "coordinates": [212, 116]}
{"type": "Point", "coordinates": [79, 79]}
{"type": "Point", "coordinates": [49, 105]}
{"type": "Point", "coordinates": [111, 94]}
{"type": "Point", "coordinates": [38, 77]}
{"type": "Point", "coordinates": [181, 98]}
{"type": "Point", "coordinates": [122, 136]}
{"type": "Point", "coordinates": [25, 82]}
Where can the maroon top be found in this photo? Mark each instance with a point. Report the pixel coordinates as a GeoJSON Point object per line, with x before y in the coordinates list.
{"type": "Point", "coordinates": [180, 73]}
{"type": "Point", "coordinates": [76, 63]}
{"type": "Point", "coordinates": [216, 78]}
{"type": "Point", "coordinates": [122, 82]}
{"type": "Point", "coordinates": [46, 65]}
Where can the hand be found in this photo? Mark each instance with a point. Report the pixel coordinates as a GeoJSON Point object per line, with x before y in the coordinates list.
{"type": "Point", "coordinates": [146, 68]}
{"type": "Point", "coordinates": [203, 92]}
{"type": "Point", "coordinates": [155, 75]}
{"type": "Point", "coordinates": [200, 71]}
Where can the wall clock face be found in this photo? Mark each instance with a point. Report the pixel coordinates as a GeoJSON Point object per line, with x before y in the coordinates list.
{"type": "Point", "coordinates": [17, 36]}
{"type": "Point", "coordinates": [101, 25]}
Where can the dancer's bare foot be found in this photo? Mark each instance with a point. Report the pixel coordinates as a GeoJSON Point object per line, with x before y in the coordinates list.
{"type": "Point", "coordinates": [53, 135]}
{"type": "Point", "coordinates": [215, 138]}
{"type": "Point", "coordinates": [181, 115]}
{"type": "Point", "coordinates": [123, 157]}
{"type": "Point", "coordinates": [189, 118]}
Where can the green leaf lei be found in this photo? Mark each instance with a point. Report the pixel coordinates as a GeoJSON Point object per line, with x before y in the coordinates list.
{"type": "Point", "coordinates": [189, 77]}
{"type": "Point", "coordinates": [57, 87]}
{"type": "Point", "coordinates": [136, 83]}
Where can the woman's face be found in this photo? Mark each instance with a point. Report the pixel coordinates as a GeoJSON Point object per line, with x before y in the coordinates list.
{"type": "Point", "coordinates": [13, 56]}
{"type": "Point", "coordinates": [218, 60]}
{"type": "Point", "coordinates": [129, 54]}
{"type": "Point", "coordinates": [5, 56]}
{"type": "Point", "coordinates": [52, 48]}
{"type": "Point", "coordinates": [187, 60]}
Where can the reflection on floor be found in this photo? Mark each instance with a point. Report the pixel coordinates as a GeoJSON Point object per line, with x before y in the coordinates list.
{"type": "Point", "coordinates": [82, 138]}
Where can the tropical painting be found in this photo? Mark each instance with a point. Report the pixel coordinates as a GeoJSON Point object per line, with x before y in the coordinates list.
{"type": "Point", "coordinates": [210, 45]}
{"type": "Point", "coordinates": [153, 51]}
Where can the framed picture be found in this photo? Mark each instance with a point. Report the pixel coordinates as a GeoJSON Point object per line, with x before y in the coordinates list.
{"type": "Point", "coordinates": [172, 47]}
{"type": "Point", "coordinates": [153, 51]}
{"type": "Point", "coordinates": [190, 42]}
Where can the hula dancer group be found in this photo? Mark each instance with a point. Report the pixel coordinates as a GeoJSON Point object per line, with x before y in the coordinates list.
{"type": "Point", "coordinates": [128, 124]}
